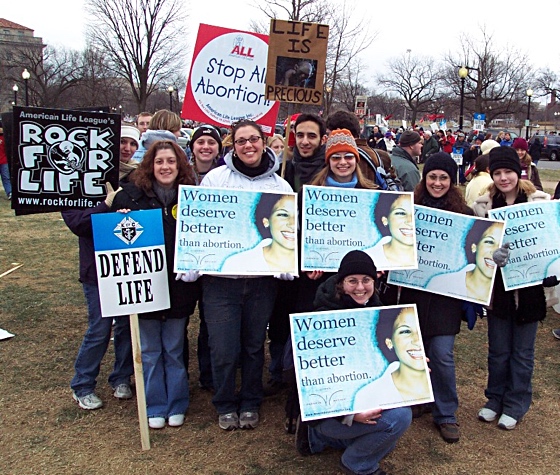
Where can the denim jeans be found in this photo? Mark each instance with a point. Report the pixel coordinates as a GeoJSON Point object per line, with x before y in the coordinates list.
{"type": "Point", "coordinates": [5, 175]}
{"type": "Point", "coordinates": [364, 445]}
{"type": "Point", "coordinates": [442, 365]}
{"type": "Point", "coordinates": [511, 357]}
{"type": "Point", "coordinates": [165, 376]}
{"type": "Point", "coordinates": [95, 344]}
{"type": "Point", "coordinates": [237, 313]}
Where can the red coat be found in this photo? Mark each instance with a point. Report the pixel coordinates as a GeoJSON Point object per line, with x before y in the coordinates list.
{"type": "Point", "coordinates": [3, 157]}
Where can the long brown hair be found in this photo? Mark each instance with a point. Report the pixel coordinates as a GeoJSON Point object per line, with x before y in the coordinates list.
{"type": "Point", "coordinates": [523, 186]}
{"type": "Point", "coordinates": [143, 177]}
{"type": "Point", "coordinates": [455, 200]}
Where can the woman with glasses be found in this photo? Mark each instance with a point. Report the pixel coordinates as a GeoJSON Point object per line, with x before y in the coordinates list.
{"type": "Point", "coordinates": [237, 307]}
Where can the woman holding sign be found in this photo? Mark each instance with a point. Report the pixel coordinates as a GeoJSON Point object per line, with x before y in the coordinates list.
{"type": "Point", "coordinates": [514, 315]}
{"type": "Point", "coordinates": [154, 185]}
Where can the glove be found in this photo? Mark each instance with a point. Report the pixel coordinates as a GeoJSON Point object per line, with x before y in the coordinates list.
{"type": "Point", "coordinates": [110, 194]}
{"type": "Point", "coordinates": [501, 255]}
{"type": "Point", "coordinates": [472, 311]}
{"type": "Point", "coordinates": [285, 276]}
{"type": "Point", "coordinates": [551, 281]}
{"type": "Point", "coordinates": [189, 276]}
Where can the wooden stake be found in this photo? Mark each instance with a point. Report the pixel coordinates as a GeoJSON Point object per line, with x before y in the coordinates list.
{"type": "Point", "coordinates": [139, 379]}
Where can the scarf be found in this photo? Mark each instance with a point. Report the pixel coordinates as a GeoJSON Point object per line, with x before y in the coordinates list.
{"type": "Point", "coordinates": [251, 172]}
{"type": "Point", "coordinates": [165, 195]}
{"type": "Point", "coordinates": [306, 168]}
{"type": "Point", "coordinates": [438, 203]}
{"type": "Point", "coordinates": [126, 168]}
{"type": "Point", "coordinates": [330, 181]}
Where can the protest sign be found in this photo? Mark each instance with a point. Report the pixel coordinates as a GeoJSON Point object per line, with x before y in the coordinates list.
{"type": "Point", "coordinates": [63, 158]}
{"type": "Point", "coordinates": [349, 361]}
{"type": "Point", "coordinates": [296, 61]}
{"type": "Point", "coordinates": [130, 262]}
{"type": "Point", "coordinates": [532, 231]}
{"type": "Point", "coordinates": [338, 220]}
{"type": "Point", "coordinates": [454, 255]}
{"type": "Point", "coordinates": [227, 79]}
{"type": "Point", "coordinates": [237, 232]}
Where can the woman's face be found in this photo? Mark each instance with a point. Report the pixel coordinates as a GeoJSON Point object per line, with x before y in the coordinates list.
{"type": "Point", "coordinates": [505, 180]}
{"type": "Point", "coordinates": [282, 222]}
{"type": "Point", "coordinates": [438, 183]}
{"type": "Point", "coordinates": [405, 341]}
{"type": "Point", "coordinates": [277, 145]}
{"type": "Point", "coordinates": [399, 221]}
{"type": "Point", "coordinates": [521, 153]}
{"type": "Point", "coordinates": [165, 167]}
{"type": "Point", "coordinates": [484, 249]}
{"type": "Point", "coordinates": [127, 149]}
{"type": "Point", "coordinates": [342, 166]}
{"type": "Point", "coordinates": [359, 286]}
{"type": "Point", "coordinates": [249, 153]}
{"type": "Point", "coordinates": [205, 149]}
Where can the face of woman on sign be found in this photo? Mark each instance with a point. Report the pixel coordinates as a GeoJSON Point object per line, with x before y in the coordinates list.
{"type": "Point", "coordinates": [359, 286]}
{"type": "Point", "coordinates": [399, 221]}
{"type": "Point", "coordinates": [249, 145]}
{"type": "Point", "coordinates": [485, 248]}
{"type": "Point", "coordinates": [282, 222]}
{"type": "Point", "coordinates": [405, 341]}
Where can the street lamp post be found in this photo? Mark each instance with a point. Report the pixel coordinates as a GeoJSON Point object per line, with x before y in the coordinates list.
{"type": "Point", "coordinates": [528, 121]}
{"type": "Point", "coordinates": [170, 90]}
{"type": "Point", "coordinates": [26, 75]}
{"type": "Point", "coordinates": [15, 89]}
{"type": "Point", "coordinates": [463, 73]}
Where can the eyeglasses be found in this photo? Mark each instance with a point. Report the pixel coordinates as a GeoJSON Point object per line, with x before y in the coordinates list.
{"type": "Point", "coordinates": [251, 139]}
{"type": "Point", "coordinates": [337, 157]}
{"type": "Point", "coordinates": [352, 282]}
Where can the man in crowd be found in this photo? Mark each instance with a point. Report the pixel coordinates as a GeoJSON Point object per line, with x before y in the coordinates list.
{"type": "Point", "coordinates": [430, 145]}
{"type": "Point", "coordinates": [403, 159]}
{"type": "Point", "coordinates": [143, 121]}
{"type": "Point", "coordinates": [459, 148]}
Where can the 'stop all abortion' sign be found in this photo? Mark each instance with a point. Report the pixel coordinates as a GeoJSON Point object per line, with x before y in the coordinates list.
{"type": "Point", "coordinates": [227, 79]}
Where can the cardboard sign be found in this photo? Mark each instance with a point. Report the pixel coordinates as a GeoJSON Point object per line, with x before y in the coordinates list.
{"type": "Point", "coordinates": [227, 77]}
{"type": "Point", "coordinates": [454, 255]}
{"type": "Point", "coordinates": [130, 262]}
{"type": "Point", "coordinates": [236, 232]}
{"type": "Point", "coordinates": [349, 361]}
{"type": "Point", "coordinates": [296, 61]}
{"type": "Point", "coordinates": [338, 220]}
{"type": "Point", "coordinates": [532, 230]}
{"type": "Point", "coordinates": [63, 158]}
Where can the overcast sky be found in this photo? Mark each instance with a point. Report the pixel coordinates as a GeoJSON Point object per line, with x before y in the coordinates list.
{"type": "Point", "coordinates": [425, 30]}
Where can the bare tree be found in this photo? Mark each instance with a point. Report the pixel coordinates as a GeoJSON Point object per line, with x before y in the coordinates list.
{"type": "Point", "coordinates": [142, 39]}
{"type": "Point", "coordinates": [350, 86]}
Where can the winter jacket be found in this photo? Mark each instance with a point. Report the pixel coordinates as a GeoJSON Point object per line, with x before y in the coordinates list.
{"type": "Point", "coordinates": [406, 168]}
{"type": "Point", "coordinates": [300, 171]}
{"type": "Point", "coordinates": [430, 146]}
{"type": "Point", "coordinates": [327, 299]}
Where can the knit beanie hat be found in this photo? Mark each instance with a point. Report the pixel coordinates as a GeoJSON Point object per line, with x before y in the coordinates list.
{"type": "Point", "coordinates": [341, 141]}
{"type": "Point", "coordinates": [129, 132]}
{"type": "Point", "coordinates": [356, 262]}
{"type": "Point", "coordinates": [206, 130]}
{"type": "Point", "coordinates": [521, 143]}
{"type": "Point", "coordinates": [408, 138]}
{"type": "Point", "coordinates": [441, 161]}
{"type": "Point", "coordinates": [488, 145]}
{"type": "Point", "coordinates": [504, 157]}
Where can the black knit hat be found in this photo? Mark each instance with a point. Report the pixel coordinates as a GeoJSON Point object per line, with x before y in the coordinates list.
{"type": "Point", "coordinates": [206, 130]}
{"type": "Point", "coordinates": [356, 262]}
{"type": "Point", "coordinates": [504, 157]}
{"type": "Point", "coordinates": [441, 161]}
{"type": "Point", "coordinates": [408, 138]}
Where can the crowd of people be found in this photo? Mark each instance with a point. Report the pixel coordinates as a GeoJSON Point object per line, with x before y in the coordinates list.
{"type": "Point", "coordinates": [238, 312]}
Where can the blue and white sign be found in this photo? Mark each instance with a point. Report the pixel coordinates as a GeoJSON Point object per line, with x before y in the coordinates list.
{"type": "Point", "coordinates": [236, 232]}
{"type": "Point", "coordinates": [532, 230]}
{"type": "Point", "coordinates": [338, 220]}
{"type": "Point", "coordinates": [130, 262]}
{"type": "Point", "coordinates": [349, 361]}
{"type": "Point", "coordinates": [454, 255]}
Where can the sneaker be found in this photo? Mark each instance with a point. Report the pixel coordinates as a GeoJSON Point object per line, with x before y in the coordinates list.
{"type": "Point", "coordinates": [248, 419]}
{"type": "Point", "coordinates": [556, 333]}
{"type": "Point", "coordinates": [90, 401]}
{"type": "Point", "coordinates": [506, 422]}
{"type": "Point", "coordinates": [123, 391]}
{"type": "Point", "coordinates": [176, 420]}
{"type": "Point", "coordinates": [156, 422]}
{"type": "Point", "coordinates": [449, 432]}
{"type": "Point", "coordinates": [302, 438]}
{"type": "Point", "coordinates": [273, 387]}
{"type": "Point", "coordinates": [228, 421]}
{"type": "Point", "coordinates": [487, 415]}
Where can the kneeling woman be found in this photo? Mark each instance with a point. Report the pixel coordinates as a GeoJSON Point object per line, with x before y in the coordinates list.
{"type": "Point", "coordinates": [154, 185]}
{"type": "Point", "coordinates": [368, 436]}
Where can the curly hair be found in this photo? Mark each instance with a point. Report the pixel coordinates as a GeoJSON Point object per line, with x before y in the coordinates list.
{"type": "Point", "coordinates": [384, 329]}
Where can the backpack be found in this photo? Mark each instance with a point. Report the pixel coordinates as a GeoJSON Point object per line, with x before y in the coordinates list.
{"type": "Point", "coordinates": [386, 181]}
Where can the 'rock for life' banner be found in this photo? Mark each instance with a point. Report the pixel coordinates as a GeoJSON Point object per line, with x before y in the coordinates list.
{"type": "Point", "coordinates": [350, 361]}
{"type": "Point", "coordinates": [338, 220]}
{"type": "Point", "coordinates": [532, 231]}
{"type": "Point", "coordinates": [63, 158]}
{"type": "Point", "coordinates": [236, 232]}
{"type": "Point", "coordinates": [454, 255]}
{"type": "Point", "coordinates": [227, 79]}
{"type": "Point", "coordinates": [130, 262]}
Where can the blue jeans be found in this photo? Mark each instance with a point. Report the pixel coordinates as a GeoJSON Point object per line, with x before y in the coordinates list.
{"type": "Point", "coordinates": [511, 357]}
{"type": "Point", "coordinates": [442, 365]}
{"type": "Point", "coordinates": [95, 344]}
{"type": "Point", "coordinates": [364, 445]}
{"type": "Point", "coordinates": [165, 376]}
{"type": "Point", "coordinates": [5, 175]}
{"type": "Point", "coordinates": [237, 313]}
